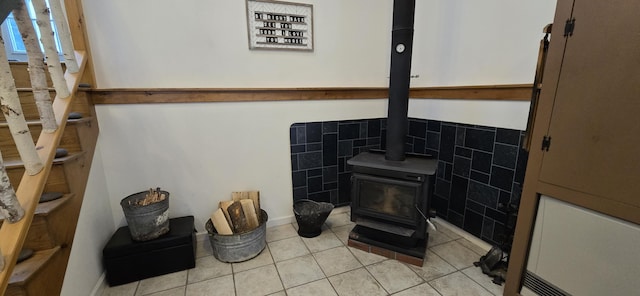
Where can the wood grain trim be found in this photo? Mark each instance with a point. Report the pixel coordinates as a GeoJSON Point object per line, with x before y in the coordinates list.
{"type": "Point", "coordinates": [515, 92]}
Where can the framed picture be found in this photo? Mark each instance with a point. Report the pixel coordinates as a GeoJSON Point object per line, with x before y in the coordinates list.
{"type": "Point", "coordinates": [279, 25]}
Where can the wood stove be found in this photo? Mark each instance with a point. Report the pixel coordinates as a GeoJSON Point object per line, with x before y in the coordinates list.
{"type": "Point", "coordinates": [390, 201]}
{"type": "Point", "coordinates": [391, 191]}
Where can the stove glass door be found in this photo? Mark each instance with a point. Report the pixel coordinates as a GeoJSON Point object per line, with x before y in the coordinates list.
{"type": "Point", "coordinates": [386, 198]}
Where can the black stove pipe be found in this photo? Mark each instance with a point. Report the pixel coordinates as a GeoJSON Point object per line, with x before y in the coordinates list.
{"type": "Point", "coordinates": [401, 48]}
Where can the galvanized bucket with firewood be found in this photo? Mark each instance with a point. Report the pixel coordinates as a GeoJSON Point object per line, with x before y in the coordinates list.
{"type": "Point", "coordinates": [237, 229]}
{"type": "Point", "coordinates": [147, 214]}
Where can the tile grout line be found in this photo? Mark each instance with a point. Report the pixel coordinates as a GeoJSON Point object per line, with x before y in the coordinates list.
{"type": "Point", "coordinates": [284, 289]}
{"type": "Point", "coordinates": [366, 267]}
{"type": "Point", "coordinates": [476, 281]}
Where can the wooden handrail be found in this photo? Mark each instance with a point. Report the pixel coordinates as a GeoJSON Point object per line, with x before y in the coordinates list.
{"type": "Point", "coordinates": [12, 236]}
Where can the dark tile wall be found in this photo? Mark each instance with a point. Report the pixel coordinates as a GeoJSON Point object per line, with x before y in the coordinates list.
{"type": "Point", "coordinates": [319, 154]}
{"type": "Point", "coordinates": [479, 167]}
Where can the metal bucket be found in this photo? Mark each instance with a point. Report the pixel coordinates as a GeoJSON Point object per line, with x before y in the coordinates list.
{"type": "Point", "coordinates": [310, 216]}
{"type": "Point", "coordinates": [238, 247]}
{"type": "Point", "coordinates": [146, 222]}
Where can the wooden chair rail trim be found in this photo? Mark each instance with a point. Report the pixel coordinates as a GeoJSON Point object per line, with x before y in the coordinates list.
{"type": "Point", "coordinates": [38, 122]}
{"type": "Point", "coordinates": [12, 236]}
{"type": "Point", "coordinates": [513, 92]}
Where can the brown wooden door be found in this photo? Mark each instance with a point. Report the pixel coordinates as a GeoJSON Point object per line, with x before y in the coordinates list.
{"type": "Point", "coordinates": [595, 124]}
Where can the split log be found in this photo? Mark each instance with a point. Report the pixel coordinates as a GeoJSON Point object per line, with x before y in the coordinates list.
{"type": "Point", "coordinates": [12, 110]}
{"type": "Point", "coordinates": [51, 52]}
{"type": "Point", "coordinates": [237, 196]}
{"type": "Point", "coordinates": [238, 218]}
{"type": "Point", "coordinates": [224, 205]}
{"type": "Point", "coordinates": [152, 196]}
{"type": "Point", "coordinates": [1, 261]}
{"type": "Point", "coordinates": [220, 223]}
{"type": "Point", "coordinates": [250, 214]}
{"type": "Point", "coordinates": [255, 197]}
{"type": "Point", "coordinates": [10, 207]}
{"type": "Point", "coordinates": [38, 78]}
{"type": "Point", "coordinates": [65, 36]}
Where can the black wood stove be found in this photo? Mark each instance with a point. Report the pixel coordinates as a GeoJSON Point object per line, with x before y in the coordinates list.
{"type": "Point", "coordinates": [391, 190]}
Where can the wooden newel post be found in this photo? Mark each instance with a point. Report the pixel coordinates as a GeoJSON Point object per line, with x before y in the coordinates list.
{"type": "Point", "coordinates": [46, 36]}
{"type": "Point", "coordinates": [9, 205]}
{"type": "Point", "coordinates": [36, 69]}
{"type": "Point", "coordinates": [10, 107]}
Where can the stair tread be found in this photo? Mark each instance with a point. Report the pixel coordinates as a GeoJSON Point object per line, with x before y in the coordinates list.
{"type": "Point", "coordinates": [12, 164]}
{"type": "Point", "coordinates": [43, 209]}
{"type": "Point", "coordinates": [28, 268]}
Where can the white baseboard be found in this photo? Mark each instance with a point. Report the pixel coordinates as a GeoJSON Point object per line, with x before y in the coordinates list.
{"type": "Point", "coordinates": [100, 286]}
{"type": "Point", "coordinates": [281, 221]}
{"type": "Point", "coordinates": [468, 236]}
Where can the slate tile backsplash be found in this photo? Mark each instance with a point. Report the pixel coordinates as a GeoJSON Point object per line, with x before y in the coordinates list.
{"type": "Point", "coordinates": [479, 167]}
{"type": "Point", "coordinates": [319, 154]}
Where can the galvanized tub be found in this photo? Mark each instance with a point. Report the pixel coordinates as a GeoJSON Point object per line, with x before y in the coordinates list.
{"type": "Point", "coordinates": [149, 221]}
{"type": "Point", "coordinates": [238, 247]}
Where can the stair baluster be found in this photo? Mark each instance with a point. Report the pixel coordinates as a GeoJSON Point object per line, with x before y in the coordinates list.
{"type": "Point", "coordinates": [44, 272]}
{"type": "Point", "coordinates": [9, 205]}
{"type": "Point", "coordinates": [51, 53]}
{"type": "Point", "coordinates": [12, 110]}
{"type": "Point", "coordinates": [64, 35]}
{"type": "Point", "coordinates": [37, 75]}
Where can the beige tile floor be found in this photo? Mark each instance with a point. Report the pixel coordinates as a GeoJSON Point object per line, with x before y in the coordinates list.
{"type": "Point", "coordinates": [324, 265]}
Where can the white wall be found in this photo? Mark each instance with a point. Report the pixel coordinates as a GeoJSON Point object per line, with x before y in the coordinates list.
{"type": "Point", "coordinates": [202, 152]}
{"type": "Point", "coordinates": [150, 43]}
{"type": "Point", "coordinates": [505, 114]}
{"type": "Point", "coordinates": [94, 230]}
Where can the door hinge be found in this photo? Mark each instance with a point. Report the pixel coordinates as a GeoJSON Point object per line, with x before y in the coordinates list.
{"type": "Point", "coordinates": [546, 143]}
{"type": "Point", "coordinates": [568, 27]}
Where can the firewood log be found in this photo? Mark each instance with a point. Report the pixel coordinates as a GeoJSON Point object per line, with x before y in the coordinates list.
{"type": "Point", "coordinates": [255, 197]}
{"type": "Point", "coordinates": [238, 195]}
{"type": "Point", "coordinates": [238, 218]}
{"type": "Point", "coordinates": [250, 213]}
{"type": "Point", "coordinates": [220, 223]}
{"type": "Point", "coordinates": [224, 205]}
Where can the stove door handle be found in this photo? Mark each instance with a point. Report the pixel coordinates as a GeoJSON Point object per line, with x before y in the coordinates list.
{"type": "Point", "coordinates": [431, 225]}
{"type": "Point", "coordinates": [421, 213]}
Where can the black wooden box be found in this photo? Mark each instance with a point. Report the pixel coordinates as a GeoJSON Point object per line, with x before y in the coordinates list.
{"type": "Point", "coordinates": [128, 261]}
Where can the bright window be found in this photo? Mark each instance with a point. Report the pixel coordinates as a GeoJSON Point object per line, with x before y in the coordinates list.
{"type": "Point", "coordinates": [13, 41]}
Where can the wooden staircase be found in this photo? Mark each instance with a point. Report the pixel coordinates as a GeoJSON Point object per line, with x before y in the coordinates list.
{"type": "Point", "coordinates": [51, 227]}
